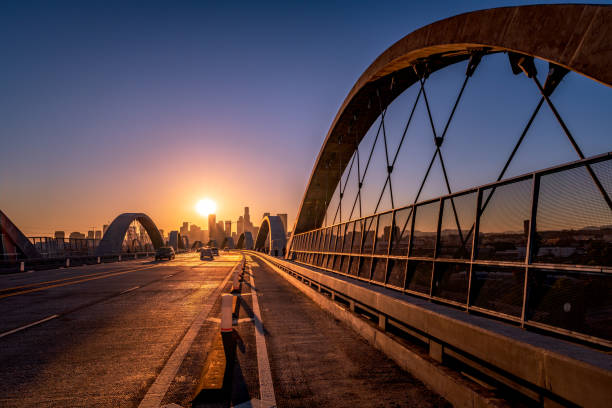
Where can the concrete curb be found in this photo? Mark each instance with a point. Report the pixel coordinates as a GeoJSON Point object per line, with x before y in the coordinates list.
{"type": "Point", "coordinates": [216, 379]}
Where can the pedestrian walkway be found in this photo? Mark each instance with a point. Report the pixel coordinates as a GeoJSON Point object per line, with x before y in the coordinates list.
{"type": "Point", "coordinates": [314, 360]}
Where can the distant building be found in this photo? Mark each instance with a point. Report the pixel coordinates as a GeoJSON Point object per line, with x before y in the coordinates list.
{"type": "Point", "coordinates": [60, 234]}
{"type": "Point", "coordinates": [98, 234]}
{"type": "Point", "coordinates": [90, 234]}
{"type": "Point", "coordinates": [228, 228]}
{"type": "Point", "coordinates": [161, 232]}
{"type": "Point", "coordinates": [247, 217]}
{"type": "Point", "coordinates": [76, 235]}
{"type": "Point", "coordinates": [184, 230]}
{"type": "Point", "coordinates": [220, 233]}
{"type": "Point", "coordinates": [240, 225]}
{"type": "Point", "coordinates": [212, 226]}
{"type": "Point", "coordinates": [244, 223]}
{"type": "Point", "coordinates": [104, 228]}
{"type": "Point", "coordinates": [196, 233]}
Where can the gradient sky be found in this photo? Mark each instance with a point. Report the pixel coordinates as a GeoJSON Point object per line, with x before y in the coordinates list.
{"type": "Point", "coordinates": [109, 107]}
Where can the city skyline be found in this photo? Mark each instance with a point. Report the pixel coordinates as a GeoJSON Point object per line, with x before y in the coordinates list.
{"type": "Point", "coordinates": [188, 226]}
{"type": "Point", "coordinates": [314, 204]}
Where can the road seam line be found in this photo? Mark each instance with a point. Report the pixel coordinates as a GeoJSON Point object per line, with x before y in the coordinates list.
{"type": "Point", "coordinates": [157, 391]}
{"type": "Point", "coordinates": [266, 386]}
{"type": "Point", "coordinates": [29, 325]}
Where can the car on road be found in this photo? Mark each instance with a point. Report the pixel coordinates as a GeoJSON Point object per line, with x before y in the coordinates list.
{"type": "Point", "coordinates": [165, 252]}
{"type": "Point", "coordinates": [215, 251]}
{"type": "Point", "coordinates": [206, 254]}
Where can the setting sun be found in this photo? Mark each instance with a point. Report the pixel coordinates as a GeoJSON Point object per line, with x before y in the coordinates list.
{"type": "Point", "coordinates": [205, 206]}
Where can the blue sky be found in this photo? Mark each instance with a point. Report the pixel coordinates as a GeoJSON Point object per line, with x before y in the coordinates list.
{"type": "Point", "coordinates": [107, 107]}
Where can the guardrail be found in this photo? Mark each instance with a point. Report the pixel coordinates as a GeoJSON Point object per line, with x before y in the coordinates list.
{"type": "Point", "coordinates": [534, 250]}
{"type": "Point", "coordinates": [533, 366]}
{"type": "Point", "coordinates": [23, 265]}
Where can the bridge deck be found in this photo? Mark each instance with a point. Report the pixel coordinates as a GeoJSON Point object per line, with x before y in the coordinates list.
{"type": "Point", "coordinates": [138, 334]}
{"type": "Point", "coordinates": [316, 360]}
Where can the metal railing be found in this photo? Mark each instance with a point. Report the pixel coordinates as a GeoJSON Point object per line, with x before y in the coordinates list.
{"type": "Point", "coordinates": [50, 247]}
{"type": "Point", "coordinates": [534, 249]}
{"type": "Point", "coordinates": [19, 265]}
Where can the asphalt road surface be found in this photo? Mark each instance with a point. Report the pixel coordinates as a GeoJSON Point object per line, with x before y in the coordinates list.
{"type": "Point", "coordinates": [138, 333]}
{"type": "Point", "coordinates": [98, 335]}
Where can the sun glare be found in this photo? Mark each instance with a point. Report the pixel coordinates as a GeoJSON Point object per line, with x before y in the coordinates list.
{"type": "Point", "coordinates": [206, 206]}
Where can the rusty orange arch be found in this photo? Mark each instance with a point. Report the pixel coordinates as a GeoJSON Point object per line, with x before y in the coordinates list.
{"type": "Point", "coordinates": [577, 37]}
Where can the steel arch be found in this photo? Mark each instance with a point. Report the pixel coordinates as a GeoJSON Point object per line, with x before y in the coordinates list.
{"type": "Point", "coordinates": [245, 241]}
{"type": "Point", "coordinates": [113, 238]}
{"type": "Point", "coordinates": [17, 238]}
{"type": "Point", "coordinates": [271, 226]}
{"type": "Point", "coordinates": [228, 242]}
{"type": "Point", "coordinates": [576, 37]}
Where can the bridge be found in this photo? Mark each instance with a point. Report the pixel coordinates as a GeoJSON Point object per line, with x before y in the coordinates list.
{"type": "Point", "coordinates": [487, 287]}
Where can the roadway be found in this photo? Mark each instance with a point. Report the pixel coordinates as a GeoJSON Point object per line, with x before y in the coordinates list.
{"type": "Point", "coordinates": [137, 334]}
{"type": "Point", "coordinates": [98, 335]}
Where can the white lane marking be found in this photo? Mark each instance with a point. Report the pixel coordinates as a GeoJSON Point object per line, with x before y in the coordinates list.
{"type": "Point", "coordinates": [28, 325]}
{"type": "Point", "coordinates": [129, 290]}
{"type": "Point", "coordinates": [156, 393]}
{"type": "Point", "coordinates": [266, 387]}
{"type": "Point", "coordinates": [214, 319]}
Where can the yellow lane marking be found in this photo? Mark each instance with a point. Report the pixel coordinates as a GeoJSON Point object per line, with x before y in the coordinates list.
{"type": "Point", "coordinates": [111, 274]}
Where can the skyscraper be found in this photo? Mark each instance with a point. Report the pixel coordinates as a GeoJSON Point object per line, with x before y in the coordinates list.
{"type": "Point", "coordinates": [228, 228]}
{"type": "Point", "coordinates": [247, 217]}
{"type": "Point", "coordinates": [244, 223]}
{"type": "Point", "coordinates": [240, 225]}
{"type": "Point", "coordinates": [196, 233]}
{"type": "Point", "coordinates": [212, 226]}
{"type": "Point", "coordinates": [184, 230]}
{"type": "Point", "coordinates": [220, 232]}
